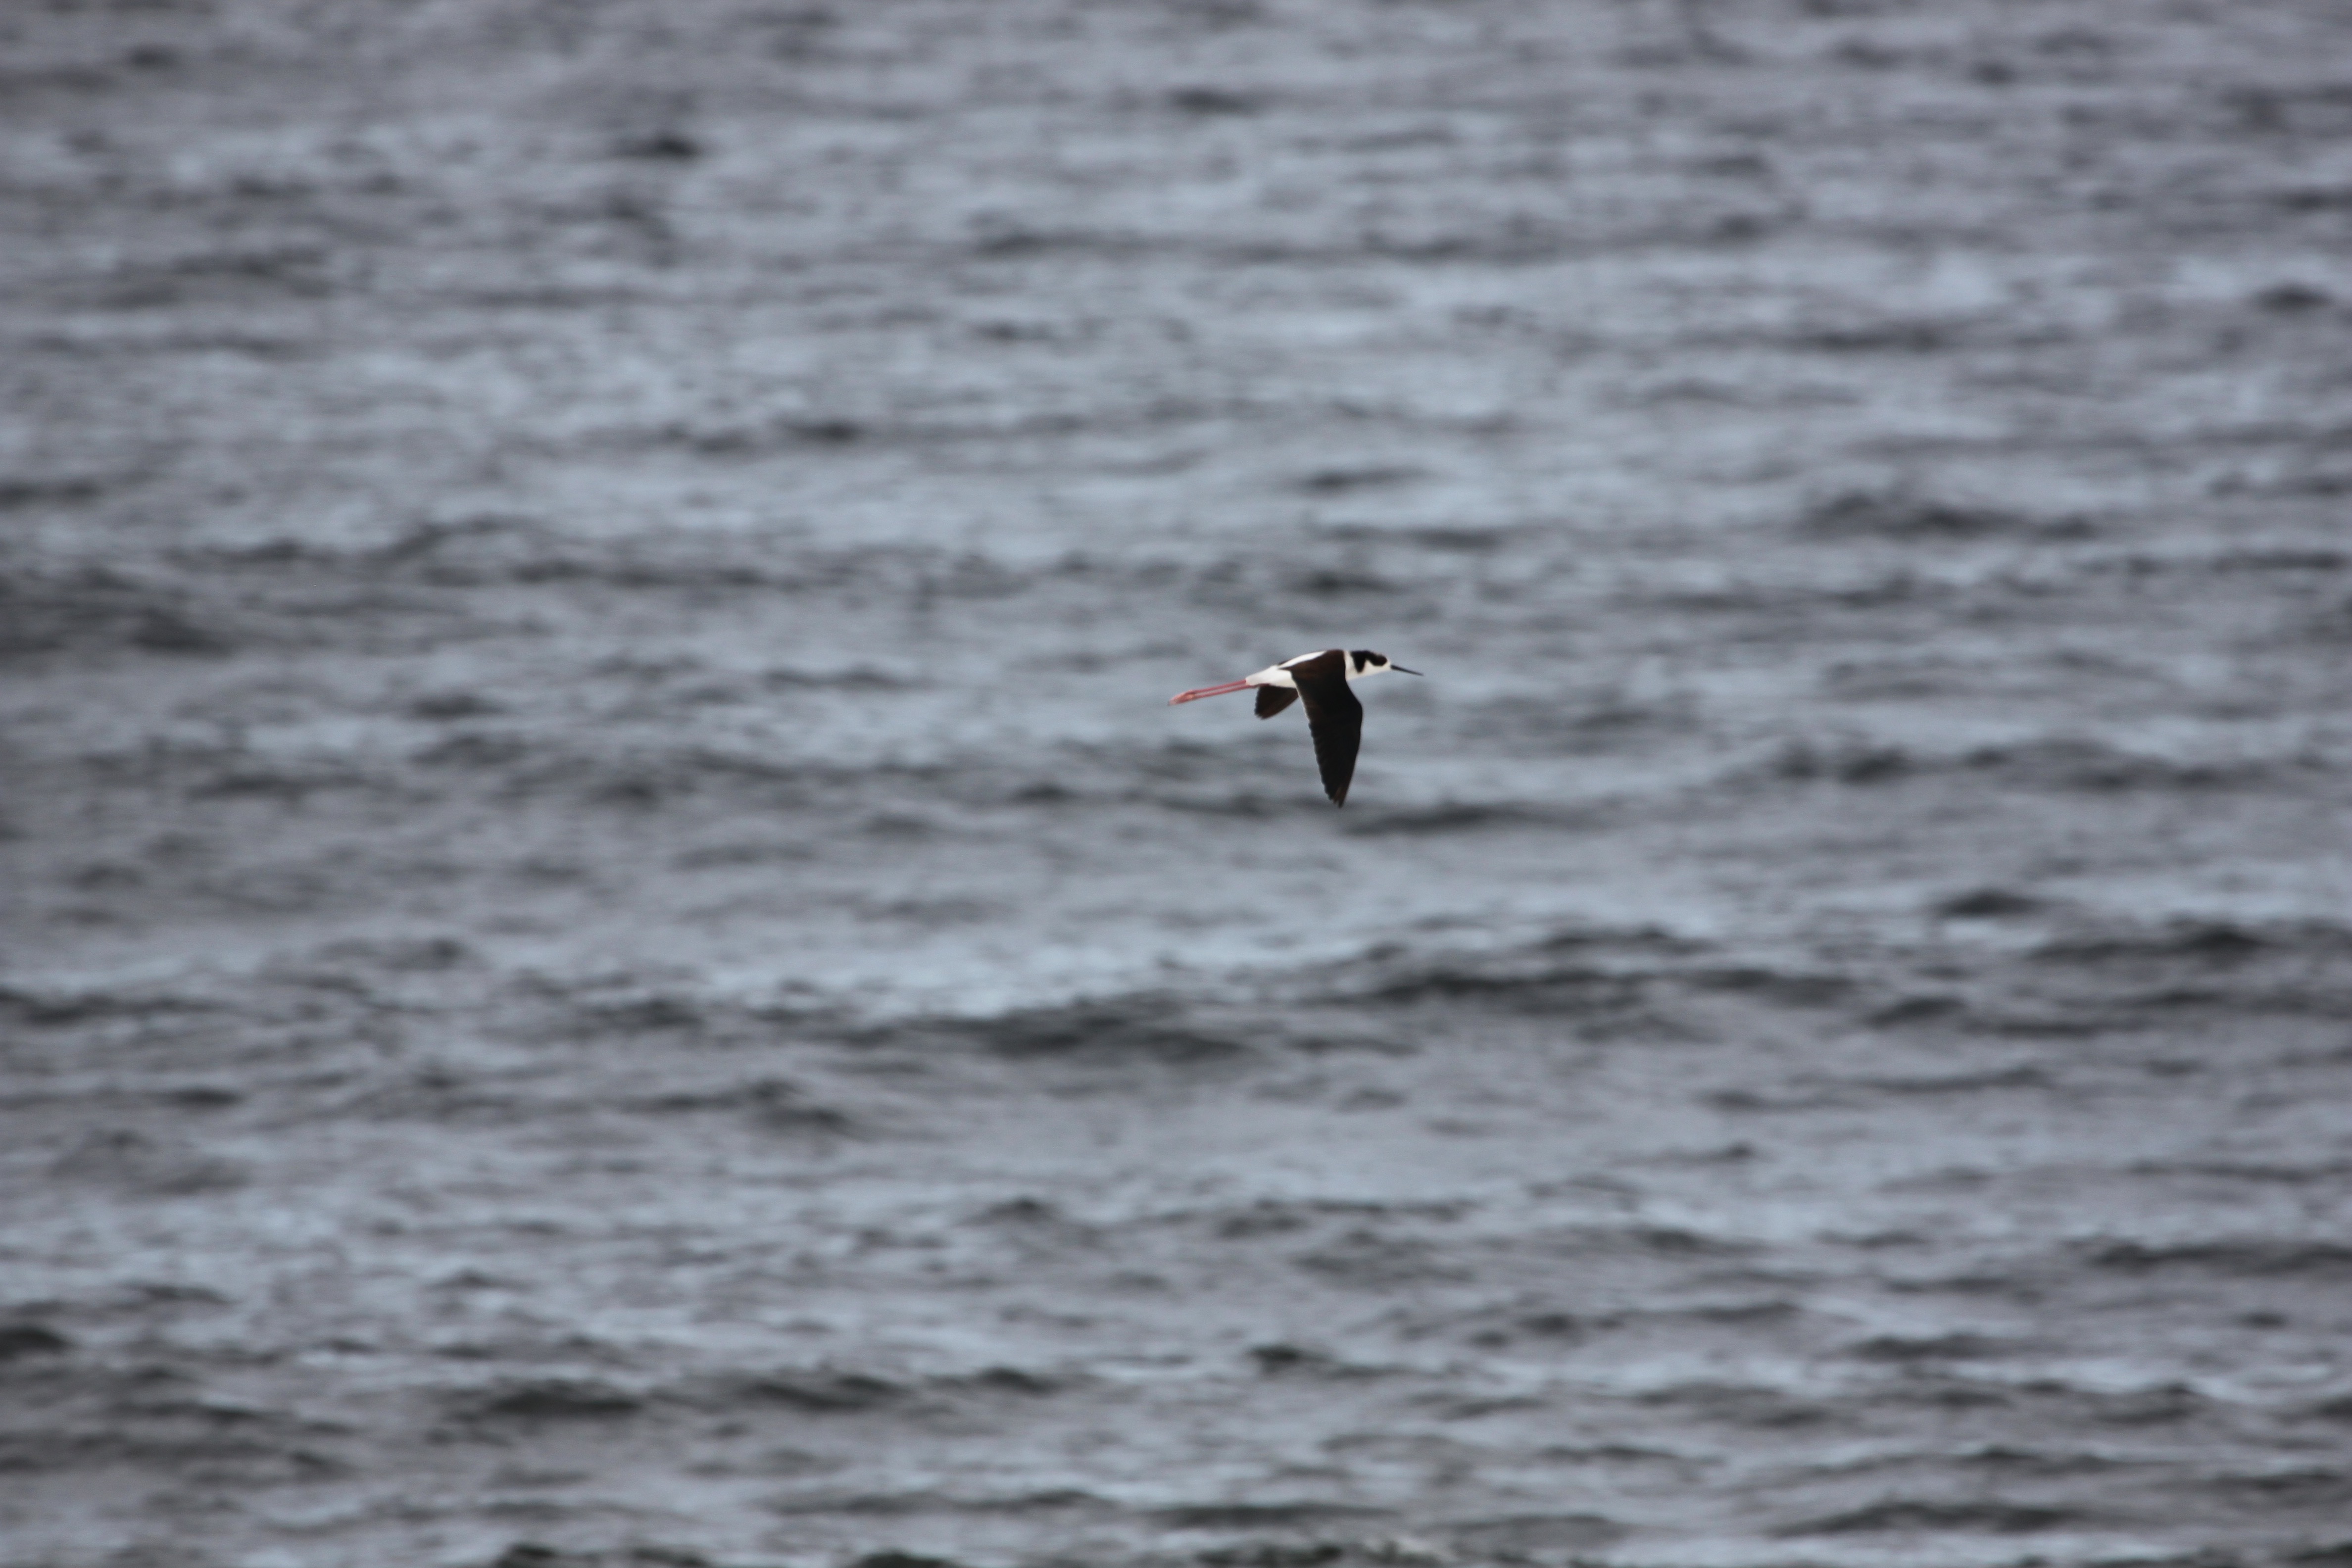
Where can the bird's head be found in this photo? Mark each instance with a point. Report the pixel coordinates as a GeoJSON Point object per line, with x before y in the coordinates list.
{"type": "Point", "coordinates": [1367, 662]}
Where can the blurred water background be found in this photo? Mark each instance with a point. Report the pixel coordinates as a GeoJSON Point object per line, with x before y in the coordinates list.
{"type": "Point", "coordinates": [611, 954]}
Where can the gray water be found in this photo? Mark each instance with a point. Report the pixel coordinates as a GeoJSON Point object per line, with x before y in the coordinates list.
{"type": "Point", "coordinates": [611, 954]}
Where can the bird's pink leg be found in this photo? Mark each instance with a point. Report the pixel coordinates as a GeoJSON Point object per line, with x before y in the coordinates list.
{"type": "Point", "coordinates": [1199, 692]}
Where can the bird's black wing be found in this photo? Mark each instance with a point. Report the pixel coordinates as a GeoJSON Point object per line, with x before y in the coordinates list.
{"type": "Point", "coordinates": [1336, 717]}
{"type": "Point", "coordinates": [1272, 699]}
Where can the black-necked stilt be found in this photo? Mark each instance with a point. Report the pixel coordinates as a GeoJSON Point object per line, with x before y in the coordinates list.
{"type": "Point", "coordinates": [1333, 715]}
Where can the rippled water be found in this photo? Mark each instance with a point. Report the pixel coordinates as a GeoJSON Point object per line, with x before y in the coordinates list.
{"type": "Point", "coordinates": [611, 954]}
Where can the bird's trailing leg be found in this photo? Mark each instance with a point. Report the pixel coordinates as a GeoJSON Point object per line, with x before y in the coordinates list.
{"type": "Point", "coordinates": [1199, 692]}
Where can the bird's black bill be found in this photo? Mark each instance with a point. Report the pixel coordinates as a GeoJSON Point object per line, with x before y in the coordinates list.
{"type": "Point", "coordinates": [1402, 671]}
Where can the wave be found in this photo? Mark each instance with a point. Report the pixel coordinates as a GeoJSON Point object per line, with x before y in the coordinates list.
{"type": "Point", "coordinates": [819, 1391]}
{"type": "Point", "coordinates": [1525, 1537]}
{"type": "Point", "coordinates": [1988, 903]}
{"type": "Point", "coordinates": [825, 1393]}
{"type": "Point", "coordinates": [19, 1339]}
{"type": "Point", "coordinates": [1744, 1405]}
{"type": "Point", "coordinates": [1228, 1516]}
{"type": "Point", "coordinates": [2024, 1074]}
{"type": "Point", "coordinates": [160, 1165]}
{"type": "Point", "coordinates": [93, 609]}
{"type": "Point", "coordinates": [1622, 984]}
{"type": "Point", "coordinates": [64, 1008]}
{"type": "Point", "coordinates": [1969, 1516]}
{"type": "Point", "coordinates": [1605, 1004]}
{"type": "Point", "coordinates": [1283, 1359]}
{"type": "Point", "coordinates": [1368, 1259]}
{"type": "Point", "coordinates": [1463, 818]}
{"type": "Point", "coordinates": [773, 1104]}
{"type": "Point", "coordinates": [2253, 1257]}
{"type": "Point", "coordinates": [2216, 942]}
{"type": "Point", "coordinates": [1911, 518]}
{"type": "Point", "coordinates": [537, 1401]}
{"type": "Point", "coordinates": [1136, 1029]}
{"type": "Point", "coordinates": [2060, 763]}
{"type": "Point", "coordinates": [2282, 1172]}
{"type": "Point", "coordinates": [1905, 1350]}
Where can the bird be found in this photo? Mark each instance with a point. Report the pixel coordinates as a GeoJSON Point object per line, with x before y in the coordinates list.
{"type": "Point", "coordinates": [1334, 716]}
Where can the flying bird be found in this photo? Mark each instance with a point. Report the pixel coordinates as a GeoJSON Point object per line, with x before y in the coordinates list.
{"type": "Point", "coordinates": [1333, 715]}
